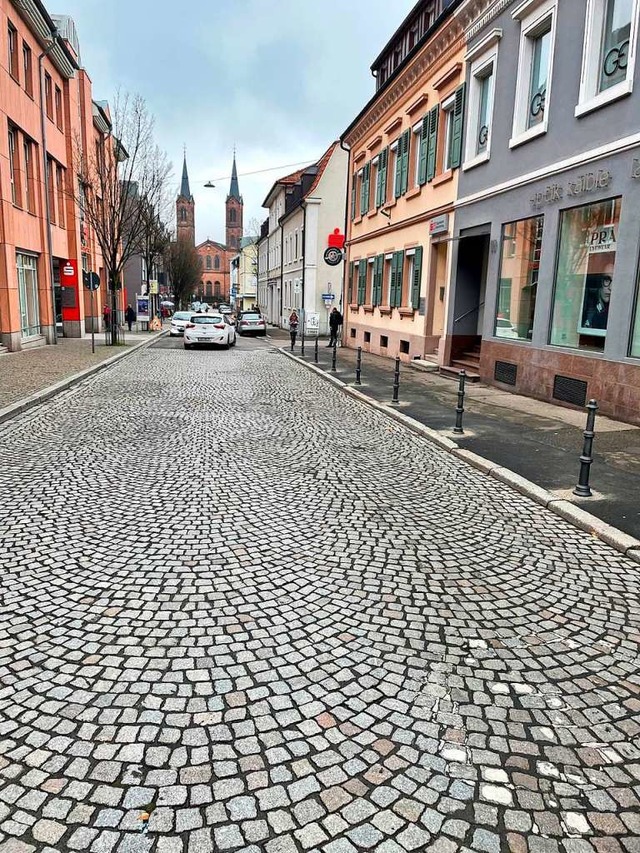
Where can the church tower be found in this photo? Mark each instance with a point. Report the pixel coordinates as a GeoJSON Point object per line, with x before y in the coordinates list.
{"type": "Point", "coordinates": [235, 207]}
{"type": "Point", "coordinates": [185, 209]}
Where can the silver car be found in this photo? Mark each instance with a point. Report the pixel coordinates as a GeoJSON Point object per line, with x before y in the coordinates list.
{"type": "Point", "coordinates": [179, 321]}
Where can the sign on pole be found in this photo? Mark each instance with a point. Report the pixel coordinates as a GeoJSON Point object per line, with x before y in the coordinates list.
{"type": "Point", "coordinates": [142, 308]}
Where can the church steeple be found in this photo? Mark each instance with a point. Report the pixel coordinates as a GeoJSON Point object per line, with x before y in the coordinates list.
{"type": "Point", "coordinates": [186, 209]}
{"type": "Point", "coordinates": [235, 207]}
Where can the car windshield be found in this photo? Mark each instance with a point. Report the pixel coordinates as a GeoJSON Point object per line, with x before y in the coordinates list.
{"type": "Point", "coordinates": [181, 315]}
{"type": "Point", "coordinates": [207, 321]}
{"type": "Point", "coordinates": [251, 317]}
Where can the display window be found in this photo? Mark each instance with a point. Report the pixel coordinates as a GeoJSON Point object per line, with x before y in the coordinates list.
{"type": "Point", "coordinates": [585, 275]}
{"type": "Point", "coordinates": [518, 282]}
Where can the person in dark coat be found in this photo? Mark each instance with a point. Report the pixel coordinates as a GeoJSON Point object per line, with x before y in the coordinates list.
{"type": "Point", "coordinates": [130, 316]}
{"type": "Point", "coordinates": [106, 316]}
{"type": "Point", "coordinates": [335, 321]}
{"type": "Point", "coordinates": [293, 327]}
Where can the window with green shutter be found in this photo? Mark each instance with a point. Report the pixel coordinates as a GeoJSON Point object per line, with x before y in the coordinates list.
{"type": "Point", "coordinates": [395, 291]}
{"type": "Point", "coordinates": [458, 127]}
{"type": "Point", "coordinates": [424, 140]}
{"type": "Point", "coordinates": [352, 266]}
{"type": "Point", "coordinates": [381, 180]}
{"type": "Point", "coordinates": [376, 291]}
{"type": "Point", "coordinates": [364, 189]}
{"type": "Point", "coordinates": [398, 170]}
{"type": "Point", "coordinates": [362, 280]}
{"type": "Point", "coordinates": [432, 142]}
{"type": "Point", "coordinates": [417, 279]}
{"type": "Point", "coordinates": [404, 165]}
{"type": "Point", "coordinates": [353, 196]}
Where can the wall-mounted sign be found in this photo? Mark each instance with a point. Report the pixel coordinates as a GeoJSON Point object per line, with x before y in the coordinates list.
{"type": "Point", "coordinates": [602, 239]}
{"type": "Point", "coordinates": [332, 256]}
{"type": "Point", "coordinates": [142, 309]}
{"type": "Point", "coordinates": [69, 273]}
{"type": "Point", "coordinates": [582, 185]}
{"type": "Point", "coordinates": [439, 224]}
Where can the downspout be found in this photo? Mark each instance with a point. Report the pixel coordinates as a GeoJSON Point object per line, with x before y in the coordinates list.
{"type": "Point", "coordinates": [304, 254]}
{"type": "Point", "coordinates": [345, 268]}
{"type": "Point", "coordinates": [43, 133]}
{"type": "Point", "coordinates": [281, 273]}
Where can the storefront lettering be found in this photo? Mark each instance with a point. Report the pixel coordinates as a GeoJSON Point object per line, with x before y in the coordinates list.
{"type": "Point", "coordinates": [583, 184]}
{"type": "Point", "coordinates": [635, 168]}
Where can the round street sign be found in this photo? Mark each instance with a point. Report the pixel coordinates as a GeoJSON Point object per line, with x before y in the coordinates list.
{"type": "Point", "coordinates": [332, 256]}
{"type": "Point", "coordinates": [91, 280]}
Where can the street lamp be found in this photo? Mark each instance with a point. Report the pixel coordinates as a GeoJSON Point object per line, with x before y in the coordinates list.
{"type": "Point", "coordinates": [209, 185]}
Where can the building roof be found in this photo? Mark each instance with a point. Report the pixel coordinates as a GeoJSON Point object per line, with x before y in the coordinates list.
{"type": "Point", "coordinates": [323, 162]}
{"type": "Point", "coordinates": [185, 192]}
{"type": "Point", "coordinates": [288, 180]}
{"type": "Point", "coordinates": [208, 243]}
{"type": "Point", "coordinates": [234, 189]}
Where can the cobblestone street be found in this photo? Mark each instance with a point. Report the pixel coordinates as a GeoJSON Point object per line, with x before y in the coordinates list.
{"type": "Point", "coordinates": [240, 602]}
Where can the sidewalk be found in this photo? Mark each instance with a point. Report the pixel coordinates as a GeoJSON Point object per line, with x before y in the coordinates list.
{"type": "Point", "coordinates": [25, 373]}
{"type": "Point", "coordinates": [536, 440]}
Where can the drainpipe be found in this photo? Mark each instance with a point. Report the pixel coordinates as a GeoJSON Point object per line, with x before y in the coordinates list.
{"type": "Point", "coordinates": [43, 132]}
{"type": "Point", "coordinates": [281, 274]}
{"type": "Point", "coordinates": [345, 268]}
{"type": "Point", "coordinates": [304, 254]}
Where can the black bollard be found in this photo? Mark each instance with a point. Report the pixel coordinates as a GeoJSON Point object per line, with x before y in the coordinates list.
{"type": "Point", "coordinates": [358, 366]}
{"type": "Point", "coordinates": [333, 355]}
{"type": "Point", "coordinates": [315, 351]}
{"type": "Point", "coordinates": [460, 407]}
{"type": "Point", "coordinates": [582, 490]}
{"type": "Point", "coordinates": [396, 382]}
{"type": "Point", "coordinates": [302, 342]}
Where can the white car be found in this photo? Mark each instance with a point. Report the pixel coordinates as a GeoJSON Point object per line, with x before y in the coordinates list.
{"type": "Point", "coordinates": [504, 329]}
{"type": "Point", "coordinates": [179, 321]}
{"type": "Point", "coordinates": [209, 329]}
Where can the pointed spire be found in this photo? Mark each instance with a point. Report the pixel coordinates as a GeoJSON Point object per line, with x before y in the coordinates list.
{"type": "Point", "coordinates": [185, 192]}
{"type": "Point", "coordinates": [234, 190]}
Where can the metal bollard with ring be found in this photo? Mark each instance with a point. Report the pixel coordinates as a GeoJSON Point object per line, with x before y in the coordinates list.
{"type": "Point", "coordinates": [582, 490]}
{"type": "Point", "coordinates": [334, 352]}
{"type": "Point", "coordinates": [460, 407]}
{"type": "Point", "coordinates": [396, 382]}
{"type": "Point", "coordinates": [315, 351]}
{"type": "Point", "coordinates": [358, 366]}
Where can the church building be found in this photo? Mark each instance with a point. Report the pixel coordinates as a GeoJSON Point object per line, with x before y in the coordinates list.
{"type": "Point", "coordinates": [215, 258]}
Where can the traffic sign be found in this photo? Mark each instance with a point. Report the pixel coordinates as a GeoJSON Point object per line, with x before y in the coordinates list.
{"type": "Point", "coordinates": [91, 280]}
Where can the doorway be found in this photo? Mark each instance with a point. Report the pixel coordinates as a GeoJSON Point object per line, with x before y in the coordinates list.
{"type": "Point", "coordinates": [469, 294]}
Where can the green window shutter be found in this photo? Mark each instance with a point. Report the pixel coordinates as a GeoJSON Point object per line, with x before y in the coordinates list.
{"type": "Point", "coordinates": [362, 280]}
{"type": "Point", "coordinates": [417, 279]}
{"type": "Point", "coordinates": [381, 184]}
{"type": "Point", "coordinates": [458, 125]}
{"type": "Point", "coordinates": [376, 296]}
{"type": "Point", "coordinates": [352, 265]}
{"type": "Point", "coordinates": [353, 196]}
{"type": "Point", "coordinates": [404, 178]}
{"type": "Point", "coordinates": [398, 171]}
{"type": "Point", "coordinates": [424, 138]}
{"type": "Point", "coordinates": [397, 262]}
{"type": "Point", "coordinates": [364, 189]}
{"type": "Point", "coordinates": [432, 142]}
{"type": "Point", "coordinates": [392, 282]}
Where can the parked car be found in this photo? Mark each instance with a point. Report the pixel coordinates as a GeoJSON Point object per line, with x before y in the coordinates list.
{"type": "Point", "coordinates": [208, 329]}
{"type": "Point", "coordinates": [251, 323]}
{"type": "Point", "coordinates": [504, 329]}
{"type": "Point", "coordinates": [225, 309]}
{"type": "Point", "coordinates": [179, 321]}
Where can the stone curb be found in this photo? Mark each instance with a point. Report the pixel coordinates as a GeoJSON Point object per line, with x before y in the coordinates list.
{"type": "Point", "coordinates": [11, 411]}
{"type": "Point", "coordinates": [622, 542]}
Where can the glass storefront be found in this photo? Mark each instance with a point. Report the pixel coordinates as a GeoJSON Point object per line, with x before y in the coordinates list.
{"type": "Point", "coordinates": [518, 283]}
{"type": "Point", "coordinates": [585, 275]}
{"type": "Point", "coordinates": [634, 349]}
{"type": "Point", "coordinates": [28, 295]}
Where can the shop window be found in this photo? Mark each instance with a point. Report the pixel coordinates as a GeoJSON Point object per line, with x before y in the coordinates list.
{"type": "Point", "coordinates": [585, 275]}
{"type": "Point", "coordinates": [533, 85]}
{"type": "Point", "coordinates": [28, 295]}
{"type": "Point", "coordinates": [608, 57]}
{"type": "Point", "coordinates": [518, 281]}
{"type": "Point", "coordinates": [48, 95]}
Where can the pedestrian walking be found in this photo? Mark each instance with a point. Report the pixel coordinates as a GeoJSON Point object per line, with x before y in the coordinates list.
{"type": "Point", "coordinates": [130, 316]}
{"type": "Point", "coordinates": [293, 327]}
{"type": "Point", "coordinates": [335, 321]}
{"type": "Point", "coordinates": [106, 316]}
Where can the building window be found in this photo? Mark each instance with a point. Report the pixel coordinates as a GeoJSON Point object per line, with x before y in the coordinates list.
{"type": "Point", "coordinates": [381, 178]}
{"type": "Point", "coordinates": [13, 167]}
{"type": "Point", "coordinates": [216, 290]}
{"type": "Point", "coordinates": [533, 85]}
{"type": "Point", "coordinates": [232, 214]}
{"type": "Point", "coordinates": [518, 281]}
{"type": "Point", "coordinates": [216, 263]}
{"type": "Point", "coordinates": [29, 188]}
{"type": "Point", "coordinates": [183, 214]}
{"type": "Point", "coordinates": [483, 63]}
{"type": "Point", "coordinates": [59, 107]}
{"type": "Point", "coordinates": [447, 139]}
{"type": "Point", "coordinates": [13, 51]}
{"type": "Point", "coordinates": [608, 58]}
{"type": "Point", "coordinates": [365, 184]}
{"type": "Point", "coordinates": [48, 95]}
{"type": "Point", "coordinates": [401, 182]}
{"type": "Point", "coordinates": [585, 275]}
{"type": "Point", "coordinates": [51, 195]}
{"type": "Point", "coordinates": [208, 262]}
{"type": "Point", "coordinates": [61, 200]}
{"type": "Point", "coordinates": [208, 289]}
{"type": "Point", "coordinates": [27, 65]}
{"type": "Point", "coordinates": [28, 295]}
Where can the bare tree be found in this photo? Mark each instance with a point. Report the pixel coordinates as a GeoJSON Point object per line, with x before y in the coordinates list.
{"type": "Point", "coordinates": [182, 263]}
{"type": "Point", "coordinates": [120, 180]}
{"type": "Point", "coordinates": [154, 241]}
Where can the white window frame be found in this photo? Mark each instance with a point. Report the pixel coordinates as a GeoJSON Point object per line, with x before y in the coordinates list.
{"type": "Point", "coordinates": [483, 62]}
{"type": "Point", "coordinates": [447, 107]}
{"type": "Point", "coordinates": [590, 99]}
{"type": "Point", "coordinates": [533, 15]}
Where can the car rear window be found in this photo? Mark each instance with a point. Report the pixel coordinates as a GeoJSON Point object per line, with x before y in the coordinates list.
{"type": "Point", "coordinates": [251, 317]}
{"type": "Point", "coordinates": [181, 315]}
{"type": "Point", "coordinates": [207, 321]}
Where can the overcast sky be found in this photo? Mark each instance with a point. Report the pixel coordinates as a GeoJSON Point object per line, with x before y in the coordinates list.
{"type": "Point", "coordinates": [280, 79]}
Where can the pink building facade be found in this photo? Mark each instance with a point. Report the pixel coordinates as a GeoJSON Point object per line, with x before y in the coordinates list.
{"type": "Point", "coordinates": [47, 116]}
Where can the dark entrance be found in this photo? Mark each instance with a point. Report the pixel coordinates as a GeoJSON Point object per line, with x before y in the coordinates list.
{"type": "Point", "coordinates": [469, 298]}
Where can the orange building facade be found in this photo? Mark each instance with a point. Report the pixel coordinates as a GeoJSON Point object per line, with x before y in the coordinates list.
{"type": "Point", "coordinates": [46, 114]}
{"type": "Point", "coordinates": [405, 151]}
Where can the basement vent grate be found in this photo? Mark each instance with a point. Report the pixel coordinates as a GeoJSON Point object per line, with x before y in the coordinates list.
{"type": "Point", "coordinates": [570, 390]}
{"type": "Point", "coordinates": [505, 372]}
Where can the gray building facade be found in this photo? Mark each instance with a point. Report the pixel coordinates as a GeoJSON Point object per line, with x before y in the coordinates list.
{"type": "Point", "coordinates": [544, 274]}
